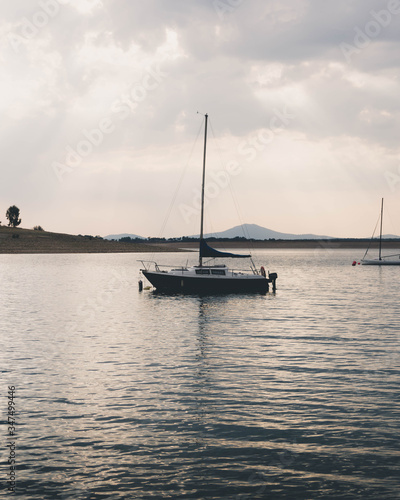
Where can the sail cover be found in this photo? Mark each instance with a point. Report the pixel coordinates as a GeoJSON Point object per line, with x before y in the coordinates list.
{"type": "Point", "coordinates": [207, 251]}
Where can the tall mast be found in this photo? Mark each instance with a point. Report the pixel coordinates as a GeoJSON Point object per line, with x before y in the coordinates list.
{"type": "Point", "coordinates": [380, 234]}
{"type": "Point", "coordinates": [202, 186]}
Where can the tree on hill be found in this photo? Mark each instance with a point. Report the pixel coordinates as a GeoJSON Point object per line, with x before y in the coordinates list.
{"type": "Point", "coordinates": [12, 215]}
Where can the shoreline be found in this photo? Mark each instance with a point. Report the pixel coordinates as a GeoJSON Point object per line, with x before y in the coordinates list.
{"type": "Point", "coordinates": [29, 241]}
{"type": "Point", "coordinates": [331, 244]}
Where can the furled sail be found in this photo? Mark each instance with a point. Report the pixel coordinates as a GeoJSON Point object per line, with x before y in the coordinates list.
{"type": "Point", "coordinates": [207, 251]}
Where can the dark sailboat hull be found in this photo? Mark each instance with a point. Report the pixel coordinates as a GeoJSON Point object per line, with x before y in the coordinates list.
{"type": "Point", "coordinates": [166, 282]}
{"type": "Point", "coordinates": [381, 262]}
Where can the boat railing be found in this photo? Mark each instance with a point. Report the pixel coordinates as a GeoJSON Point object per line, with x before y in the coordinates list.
{"type": "Point", "coordinates": [253, 266]}
{"type": "Point", "coordinates": [148, 263]}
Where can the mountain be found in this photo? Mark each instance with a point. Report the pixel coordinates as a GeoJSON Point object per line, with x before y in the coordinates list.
{"type": "Point", "coordinates": [389, 236]}
{"type": "Point", "coordinates": [251, 231]}
{"type": "Point", "coordinates": [256, 232]}
{"type": "Point", "coordinates": [123, 235]}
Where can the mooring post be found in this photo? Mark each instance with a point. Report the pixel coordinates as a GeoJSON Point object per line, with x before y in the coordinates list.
{"type": "Point", "coordinates": [140, 285]}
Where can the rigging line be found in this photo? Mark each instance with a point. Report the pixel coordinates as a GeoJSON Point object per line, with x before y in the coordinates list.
{"type": "Point", "coordinates": [213, 232]}
{"type": "Point", "coordinates": [373, 234]}
{"type": "Point", "coordinates": [209, 218]}
{"type": "Point", "coordinates": [392, 226]}
{"type": "Point", "coordinates": [179, 185]}
{"type": "Point", "coordinates": [245, 232]}
{"type": "Point", "coordinates": [168, 213]}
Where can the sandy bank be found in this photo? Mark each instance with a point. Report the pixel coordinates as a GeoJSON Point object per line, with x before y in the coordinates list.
{"type": "Point", "coordinates": [18, 240]}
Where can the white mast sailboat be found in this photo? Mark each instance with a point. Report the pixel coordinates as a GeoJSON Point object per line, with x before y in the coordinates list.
{"type": "Point", "coordinates": [205, 278]}
{"type": "Point", "coordinates": [387, 260]}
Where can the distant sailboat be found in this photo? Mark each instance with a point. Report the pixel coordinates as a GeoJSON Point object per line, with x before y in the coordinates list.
{"type": "Point", "coordinates": [205, 278]}
{"type": "Point", "coordinates": [388, 260]}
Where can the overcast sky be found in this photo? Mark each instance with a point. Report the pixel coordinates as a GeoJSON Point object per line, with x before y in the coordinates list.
{"type": "Point", "coordinates": [100, 132]}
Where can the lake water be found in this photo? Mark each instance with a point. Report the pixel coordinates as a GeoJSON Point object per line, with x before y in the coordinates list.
{"type": "Point", "coordinates": [122, 394]}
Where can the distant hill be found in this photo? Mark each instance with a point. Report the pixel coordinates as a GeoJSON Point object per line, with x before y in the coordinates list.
{"type": "Point", "coordinates": [256, 232]}
{"type": "Point", "coordinates": [389, 236]}
{"type": "Point", "coordinates": [20, 240]}
{"type": "Point", "coordinates": [122, 235]}
{"type": "Point", "coordinates": [251, 231]}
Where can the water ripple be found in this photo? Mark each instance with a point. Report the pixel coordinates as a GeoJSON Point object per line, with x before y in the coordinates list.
{"type": "Point", "coordinates": [146, 396]}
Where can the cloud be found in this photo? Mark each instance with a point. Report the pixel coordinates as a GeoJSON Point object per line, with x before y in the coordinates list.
{"type": "Point", "coordinates": [109, 90]}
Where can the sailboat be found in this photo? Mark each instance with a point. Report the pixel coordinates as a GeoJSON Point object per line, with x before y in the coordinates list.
{"type": "Point", "coordinates": [206, 278]}
{"type": "Point", "coordinates": [387, 260]}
